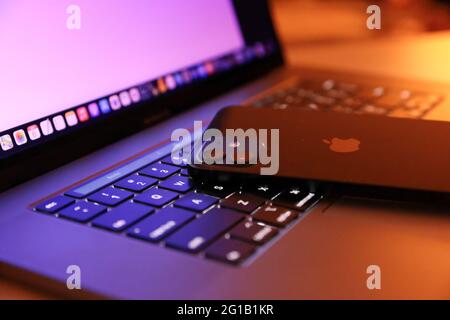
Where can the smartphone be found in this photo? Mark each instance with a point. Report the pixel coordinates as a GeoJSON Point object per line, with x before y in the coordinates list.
{"type": "Point", "coordinates": [320, 148]}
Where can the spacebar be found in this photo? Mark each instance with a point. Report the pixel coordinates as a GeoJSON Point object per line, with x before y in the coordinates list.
{"type": "Point", "coordinates": [114, 175]}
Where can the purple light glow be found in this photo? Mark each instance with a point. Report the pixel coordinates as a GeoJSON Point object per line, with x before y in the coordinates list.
{"type": "Point", "coordinates": [46, 68]}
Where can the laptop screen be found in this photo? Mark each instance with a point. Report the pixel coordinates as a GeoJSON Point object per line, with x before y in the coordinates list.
{"type": "Point", "coordinates": [66, 65]}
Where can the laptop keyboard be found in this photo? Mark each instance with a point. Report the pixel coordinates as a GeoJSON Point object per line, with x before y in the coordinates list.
{"type": "Point", "coordinates": [339, 96]}
{"type": "Point", "coordinates": [153, 200]}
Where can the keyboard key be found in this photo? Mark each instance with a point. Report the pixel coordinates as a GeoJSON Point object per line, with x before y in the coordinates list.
{"type": "Point", "coordinates": [291, 197]}
{"type": "Point", "coordinates": [202, 231]}
{"type": "Point", "coordinates": [372, 109]}
{"type": "Point", "coordinates": [122, 217]}
{"type": "Point", "coordinates": [161, 224]}
{"type": "Point", "coordinates": [253, 232]}
{"type": "Point", "coordinates": [159, 170]}
{"type": "Point", "coordinates": [110, 196]}
{"type": "Point", "coordinates": [406, 113]}
{"type": "Point", "coordinates": [310, 200]}
{"type": "Point", "coordinates": [82, 211]}
{"type": "Point", "coordinates": [196, 202]}
{"type": "Point", "coordinates": [108, 178]}
{"type": "Point", "coordinates": [156, 197]}
{"type": "Point", "coordinates": [336, 93]}
{"type": "Point", "coordinates": [350, 103]}
{"type": "Point", "coordinates": [394, 97]}
{"type": "Point", "coordinates": [230, 250]}
{"type": "Point", "coordinates": [242, 202]}
{"type": "Point", "coordinates": [423, 102]}
{"type": "Point", "coordinates": [322, 100]}
{"type": "Point", "coordinates": [177, 183]}
{"type": "Point", "coordinates": [368, 93]}
{"type": "Point", "coordinates": [136, 183]}
{"type": "Point", "coordinates": [328, 84]}
{"type": "Point", "coordinates": [184, 172]}
{"type": "Point", "coordinates": [217, 189]}
{"type": "Point", "coordinates": [313, 106]}
{"type": "Point", "coordinates": [276, 216]}
{"type": "Point", "coordinates": [342, 108]}
{"type": "Point", "coordinates": [267, 191]}
{"type": "Point", "coordinates": [170, 160]}
{"type": "Point", "coordinates": [348, 86]}
{"type": "Point", "coordinates": [55, 204]}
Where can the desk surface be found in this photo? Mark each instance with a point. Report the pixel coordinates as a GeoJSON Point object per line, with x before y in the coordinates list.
{"type": "Point", "coordinates": [420, 57]}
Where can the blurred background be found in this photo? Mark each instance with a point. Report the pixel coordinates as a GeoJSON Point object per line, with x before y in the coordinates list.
{"type": "Point", "coordinates": [414, 40]}
{"type": "Point", "coordinates": [311, 22]}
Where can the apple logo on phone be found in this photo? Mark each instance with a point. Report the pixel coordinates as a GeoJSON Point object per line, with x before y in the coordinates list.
{"type": "Point", "coordinates": [343, 145]}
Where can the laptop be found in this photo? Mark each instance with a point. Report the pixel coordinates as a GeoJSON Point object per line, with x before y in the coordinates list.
{"type": "Point", "coordinates": [91, 94]}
